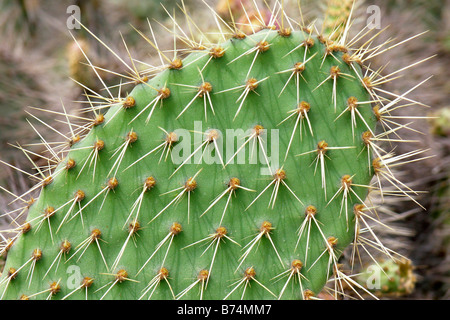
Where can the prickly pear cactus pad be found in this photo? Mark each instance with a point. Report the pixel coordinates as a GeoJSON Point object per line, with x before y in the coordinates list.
{"type": "Point", "coordinates": [240, 170]}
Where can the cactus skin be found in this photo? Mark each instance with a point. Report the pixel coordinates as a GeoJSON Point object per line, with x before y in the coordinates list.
{"type": "Point", "coordinates": [265, 109]}
{"type": "Point", "coordinates": [396, 278]}
{"type": "Point", "coordinates": [89, 199]}
{"type": "Point", "coordinates": [439, 122]}
{"type": "Point", "coordinates": [336, 16]}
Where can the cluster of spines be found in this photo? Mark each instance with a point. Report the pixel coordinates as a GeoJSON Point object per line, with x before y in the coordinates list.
{"type": "Point", "coordinates": [190, 185]}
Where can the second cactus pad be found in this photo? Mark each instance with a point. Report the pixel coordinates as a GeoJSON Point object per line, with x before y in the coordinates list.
{"type": "Point", "coordinates": [233, 173]}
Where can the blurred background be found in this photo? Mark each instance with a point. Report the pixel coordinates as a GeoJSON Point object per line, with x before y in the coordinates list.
{"type": "Point", "coordinates": [41, 67]}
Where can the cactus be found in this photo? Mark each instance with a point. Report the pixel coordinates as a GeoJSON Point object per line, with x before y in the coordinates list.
{"type": "Point", "coordinates": [336, 17]}
{"type": "Point", "coordinates": [396, 278]}
{"type": "Point", "coordinates": [240, 170]}
{"type": "Point", "coordinates": [439, 122]}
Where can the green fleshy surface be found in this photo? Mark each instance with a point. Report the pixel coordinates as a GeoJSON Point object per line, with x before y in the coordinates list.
{"type": "Point", "coordinates": [265, 107]}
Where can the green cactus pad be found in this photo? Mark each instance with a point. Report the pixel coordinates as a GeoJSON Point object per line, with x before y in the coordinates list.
{"type": "Point", "coordinates": [154, 200]}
